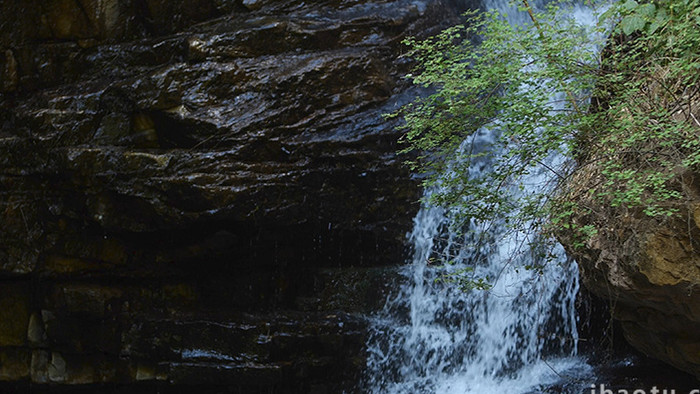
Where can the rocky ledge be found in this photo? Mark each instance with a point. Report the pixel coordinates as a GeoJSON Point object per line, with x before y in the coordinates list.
{"type": "Point", "coordinates": [200, 192]}
{"type": "Point", "coordinates": [647, 269]}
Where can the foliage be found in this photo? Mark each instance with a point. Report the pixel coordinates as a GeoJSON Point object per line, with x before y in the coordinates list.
{"type": "Point", "coordinates": [463, 278]}
{"type": "Point", "coordinates": [545, 90]}
{"type": "Point", "coordinates": [646, 132]}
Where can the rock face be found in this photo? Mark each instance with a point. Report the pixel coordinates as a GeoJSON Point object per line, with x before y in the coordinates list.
{"type": "Point", "coordinates": [199, 192]}
{"type": "Point", "coordinates": [648, 270]}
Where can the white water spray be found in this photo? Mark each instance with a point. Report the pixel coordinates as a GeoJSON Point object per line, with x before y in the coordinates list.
{"type": "Point", "coordinates": [517, 337]}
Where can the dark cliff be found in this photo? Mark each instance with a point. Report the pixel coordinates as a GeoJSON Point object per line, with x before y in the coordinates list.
{"type": "Point", "coordinates": [199, 192]}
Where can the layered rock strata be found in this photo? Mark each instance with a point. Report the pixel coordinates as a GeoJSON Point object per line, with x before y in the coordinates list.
{"type": "Point", "coordinates": [200, 192]}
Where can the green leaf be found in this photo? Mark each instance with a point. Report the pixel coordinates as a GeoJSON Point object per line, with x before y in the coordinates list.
{"type": "Point", "coordinates": [630, 5]}
{"type": "Point", "coordinates": [646, 10]}
{"type": "Point", "coordinates": [632, 23]}
{"type": "Point", "coordinates": [659, 21]}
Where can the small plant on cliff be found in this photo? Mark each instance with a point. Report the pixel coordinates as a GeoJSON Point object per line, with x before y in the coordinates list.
{"type": "Point", "coordinates": [555, 103]}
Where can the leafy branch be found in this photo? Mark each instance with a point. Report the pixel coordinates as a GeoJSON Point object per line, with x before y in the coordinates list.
{"type": "Point", "coordinates": [625, 116]}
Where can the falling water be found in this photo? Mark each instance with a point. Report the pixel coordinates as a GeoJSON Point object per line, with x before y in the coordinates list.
{"type": "Point", "coordinates": [517, 337]}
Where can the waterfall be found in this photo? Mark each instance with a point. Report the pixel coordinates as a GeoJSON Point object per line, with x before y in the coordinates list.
{"type": "Point", "coordinates": [517, 337]}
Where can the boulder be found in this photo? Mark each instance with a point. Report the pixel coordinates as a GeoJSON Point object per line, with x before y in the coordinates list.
{"type": "Point", "coordinates": [648, 270]}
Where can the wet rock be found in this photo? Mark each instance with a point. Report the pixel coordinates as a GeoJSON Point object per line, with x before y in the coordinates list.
{"type": "Point", "coordinates": [14, 314]}
{"type": "Point", "coordinates": [9, 75]}
{"type": "Point", "coordinates": [14, 364]}
{"type": "Point", "coordinates": [200, 192]}
{"type": "Point", "coordinates": [36, 333]}
{"type": "Point", "coordinates": [253, 4]}
{"type": "Point", "coordinates": [40, 367]}
{"type": "Point", "coordinates": [58, 368]}
{"type": "Point", "coordinates": [359, 290]}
